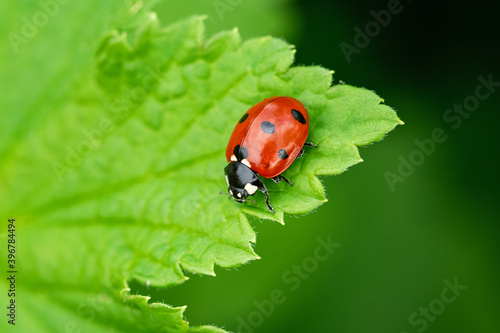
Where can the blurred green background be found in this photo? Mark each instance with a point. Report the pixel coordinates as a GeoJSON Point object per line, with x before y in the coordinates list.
{"type": "Point", "coordinates": [399, 243]}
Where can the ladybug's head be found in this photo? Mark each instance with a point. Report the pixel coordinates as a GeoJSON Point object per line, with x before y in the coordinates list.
{"type": "Point", "coordinates": [241, 181]}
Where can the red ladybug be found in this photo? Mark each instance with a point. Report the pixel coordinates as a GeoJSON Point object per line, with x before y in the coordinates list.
{"type": "Point", "coordinates": [266, 140]}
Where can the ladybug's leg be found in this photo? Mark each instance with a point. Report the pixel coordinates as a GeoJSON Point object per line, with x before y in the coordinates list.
{"type": "Point", "coordinates": [279, 178]}
{"type": "Point", "coordinates": [263, 188]}
{"type": "Point", "coordinates": [309, 144]}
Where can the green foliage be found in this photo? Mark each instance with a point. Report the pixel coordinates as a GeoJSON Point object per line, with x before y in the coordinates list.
{"type": "Point", "coordinates": [132, 163]}
{"type": "Point", "coordinates": [253, 18]}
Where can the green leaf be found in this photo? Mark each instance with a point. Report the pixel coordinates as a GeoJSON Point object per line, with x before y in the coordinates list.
{"type": "Point", "coordinates": [129, 169]}
{"type": "Point", "coordinates": [279, 18]}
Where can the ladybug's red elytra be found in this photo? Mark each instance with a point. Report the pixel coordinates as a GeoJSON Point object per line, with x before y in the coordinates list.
{"type": "Point", "coordinates": [265, 142]}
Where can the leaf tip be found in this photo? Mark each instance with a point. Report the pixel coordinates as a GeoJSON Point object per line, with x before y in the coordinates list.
{"type": "Point", "coordinates": [279, 217]}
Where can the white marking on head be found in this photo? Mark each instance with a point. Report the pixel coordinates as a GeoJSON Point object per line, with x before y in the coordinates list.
{"type": "Point", "coordinates": [231, 192]}
{"type": "Point", "coordinates": [238, 195]}
{"type": "Point", "coordinates": [245, 161]}
{"type": "Point", "coordinates": [227, 180]}
{"type": "Point", "coordinates": [233, 158]}
{"type": "Point", "coordinates": [251, 189]}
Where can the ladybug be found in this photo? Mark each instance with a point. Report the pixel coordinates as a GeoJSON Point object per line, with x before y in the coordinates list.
{"type": "Point", "coordinates": [265, 142]}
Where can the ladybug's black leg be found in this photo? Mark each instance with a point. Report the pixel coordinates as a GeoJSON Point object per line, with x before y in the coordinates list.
{"type": "Point", "coordinates": [309, 144]}
{"type": "Point", "coordinates": [263, 188]}
{"type": "Point", "coordinates": [279, 178]}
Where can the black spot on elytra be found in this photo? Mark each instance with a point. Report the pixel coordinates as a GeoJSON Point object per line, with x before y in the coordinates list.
{"type": "Point", "coordinates": [282, 154]}
{"type": "Point", "coordinates": [298, 116]}
{"type": "Point", "coordinates": [267, 127]}
{"type": "Point", "coordinates": [243, 118]}
{"type": "Point", "coordinates": [240, 152]}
